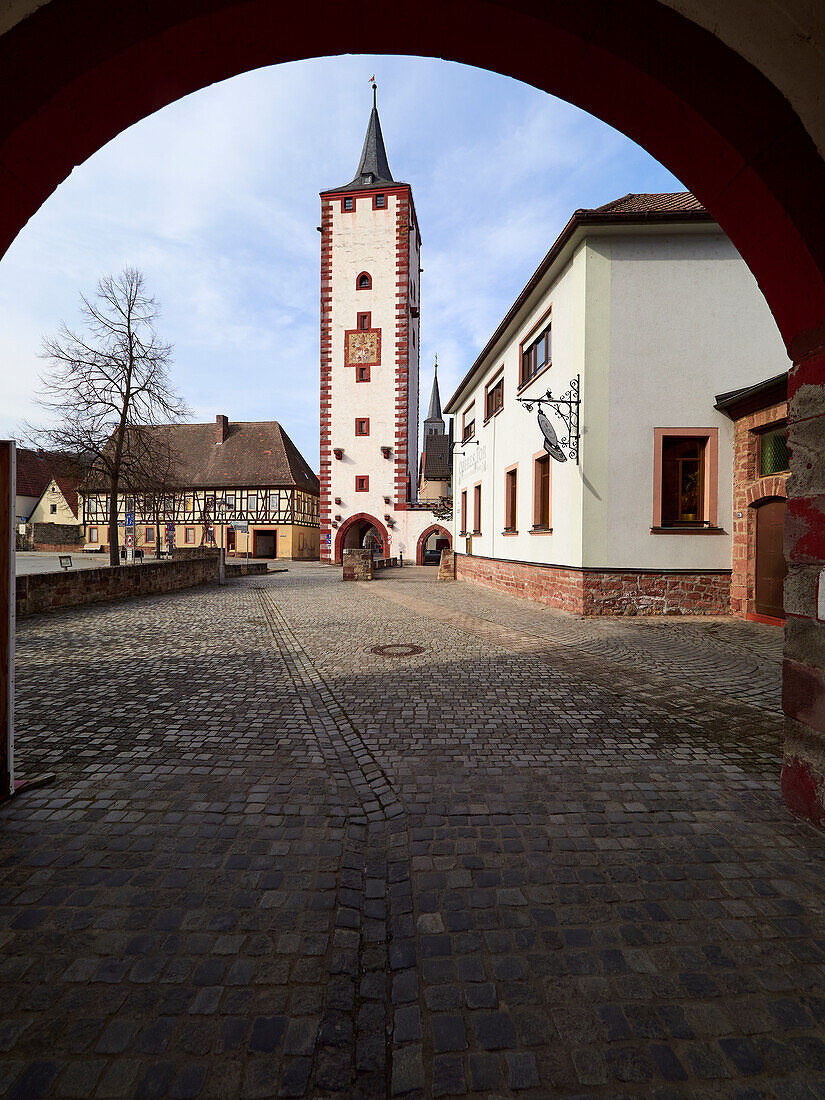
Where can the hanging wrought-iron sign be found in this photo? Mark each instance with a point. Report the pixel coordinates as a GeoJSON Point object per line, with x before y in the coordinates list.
{"type": "Point", "coordinates": [567, 408]}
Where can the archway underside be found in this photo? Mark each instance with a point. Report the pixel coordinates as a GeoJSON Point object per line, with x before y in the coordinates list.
{"type": "Point", "coordinates": [74, 74]}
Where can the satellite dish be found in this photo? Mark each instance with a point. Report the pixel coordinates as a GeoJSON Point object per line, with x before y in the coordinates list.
{"type": "Point", "coordinates": [551, 440]}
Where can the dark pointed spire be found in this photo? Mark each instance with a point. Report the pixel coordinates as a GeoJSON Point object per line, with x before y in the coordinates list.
{"type": "Point", "coordinates": [435, 421]}
{"type": "Point", "coordinates": [373, 168]}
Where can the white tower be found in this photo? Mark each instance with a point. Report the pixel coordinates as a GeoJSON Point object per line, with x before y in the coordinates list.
{"type": "Point", "coordinates": [370, 268]}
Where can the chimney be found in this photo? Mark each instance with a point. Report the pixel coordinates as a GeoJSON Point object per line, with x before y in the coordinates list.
{"type": "Point", "coordinates": [221, 428]}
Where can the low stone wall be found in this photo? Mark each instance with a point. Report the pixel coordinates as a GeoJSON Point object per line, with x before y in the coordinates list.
{"type": "Point", "coordinates": [357, 565]}
{"type": "Point", "coordinates": [241, 569]}
{"type": "Point", "coordinates": [48, 591]}
{"type": "Point", "coordinates": [603, 592]}
{"type": "Point", "coordinates": [58, 538]}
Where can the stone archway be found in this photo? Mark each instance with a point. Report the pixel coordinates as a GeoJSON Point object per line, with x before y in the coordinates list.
{"type": "Point", "coordinates": [74, 73]}
{"type": "Point", "coordinates": [436, 528]}
{"type": "Point", "coordinates": [353, 530]}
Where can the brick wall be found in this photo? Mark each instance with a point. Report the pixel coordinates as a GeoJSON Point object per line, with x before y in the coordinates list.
{"type": "Point", "coordinates": [592, 592]}
{"type": "Point", "coordinates": [48, 591]}
{"type": "Point", "coordinates": [748, 489]}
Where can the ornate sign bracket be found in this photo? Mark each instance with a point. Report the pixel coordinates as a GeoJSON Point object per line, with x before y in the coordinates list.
{"type": "Point", "coordinates": [567, 408]}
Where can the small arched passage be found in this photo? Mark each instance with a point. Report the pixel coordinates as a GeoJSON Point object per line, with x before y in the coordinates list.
{"type": "Point", "coordinates": [357, 531]}
{"type": "Point", "coordinates": [441, 534]}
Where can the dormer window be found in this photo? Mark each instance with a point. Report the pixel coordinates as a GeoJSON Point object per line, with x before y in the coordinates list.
{"type": "Point", "coordinates": [367, 177]}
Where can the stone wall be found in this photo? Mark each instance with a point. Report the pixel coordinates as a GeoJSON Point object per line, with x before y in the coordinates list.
{"type": "Point", "coordinates": [49, 591]}
{"type": "Point", "coordinates": [59, 538]}
{"type": "Point", "coordinates": [446, 567]}
{"type": "Point", "coordinates": [241, 569]}
{"type": "Point", "coordinates": [357, 565]}
{"type": "Point", "coordinates": [602, 592]}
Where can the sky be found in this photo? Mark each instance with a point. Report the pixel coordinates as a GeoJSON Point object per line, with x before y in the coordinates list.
{"type": "Point", "coordinates": [215, 199]}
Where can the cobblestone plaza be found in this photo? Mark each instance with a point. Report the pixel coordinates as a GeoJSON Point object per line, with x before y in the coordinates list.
{"type": "Point", "coordinates": [516, 853]}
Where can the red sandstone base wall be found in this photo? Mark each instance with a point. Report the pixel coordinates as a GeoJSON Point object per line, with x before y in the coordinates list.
{"type": "Point", "coordinates": [49, 591]}
{"type": "Point", "coordinates": [594, 592]}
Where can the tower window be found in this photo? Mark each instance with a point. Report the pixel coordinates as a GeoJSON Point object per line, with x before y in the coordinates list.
{"type": "Point", "coordinates": [365, 281]}
{"type": "Point", "coordinates": [348, 204]}
{"type": "Point", "coordinates": [362, 425]}
{"type": "Point", "coordinates": [367, 177]}
{"type": "Point", "coordinates": [379, 202]}
{"type": "Point", "coordinates": [364, 321]}
{"type": "Point", "coordinates": [362, 483]}
{"type": "Point", "coordinates": [363, 374]}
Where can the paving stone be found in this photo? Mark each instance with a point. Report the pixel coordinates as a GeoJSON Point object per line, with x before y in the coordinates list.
{"type": "Point", "coordinates": [594, 880]}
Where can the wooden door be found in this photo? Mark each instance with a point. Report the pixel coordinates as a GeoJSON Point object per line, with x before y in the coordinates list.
{"type": "Point", "coordinates": [770, 558]}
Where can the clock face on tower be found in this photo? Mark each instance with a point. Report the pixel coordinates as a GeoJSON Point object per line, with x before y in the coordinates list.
{"type": "Point", "coordinates": [362, 347]}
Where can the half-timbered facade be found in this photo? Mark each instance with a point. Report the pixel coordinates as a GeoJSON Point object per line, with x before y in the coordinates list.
{"type": "Point", "coordinates": [224, 475]}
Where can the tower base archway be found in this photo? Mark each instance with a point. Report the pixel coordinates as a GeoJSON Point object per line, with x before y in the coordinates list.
{"type": "Point", "coordinates": [359, 531]}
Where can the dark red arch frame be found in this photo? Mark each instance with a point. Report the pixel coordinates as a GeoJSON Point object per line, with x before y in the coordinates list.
{"type": "Point", "coordinates": [422, 541]}
{"type": "Point", "coordinates": [77, 72]}
{"type": "Point", "coordinates": [360, 517]}
{"type": "Point", "coordinates": [358, 279]}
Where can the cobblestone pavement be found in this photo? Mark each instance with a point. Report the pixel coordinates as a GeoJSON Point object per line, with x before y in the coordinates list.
{"type": "Point", "coordinates": [539, 857]}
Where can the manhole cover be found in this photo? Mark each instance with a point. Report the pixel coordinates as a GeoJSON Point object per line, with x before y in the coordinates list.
{"type": "Point", "coordinates": [397, 649]}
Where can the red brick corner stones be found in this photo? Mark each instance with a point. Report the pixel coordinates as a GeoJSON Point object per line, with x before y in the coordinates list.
{"type": "Point", "coordinates": [602, 592]}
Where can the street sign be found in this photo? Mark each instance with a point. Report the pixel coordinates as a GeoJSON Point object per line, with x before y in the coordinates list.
{"type": "Point", "coordinates": [130, 519]}
{"type": "Point", "coordinates": [129, 540]}
{"type": "Point", "coordinates": [239, 525]}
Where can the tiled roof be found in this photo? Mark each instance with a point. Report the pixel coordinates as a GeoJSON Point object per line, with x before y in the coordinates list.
{"type": "Point", "coordinates": [660, 203]}
{"type": "Point", "coordinates": [436, 458]}
{"type": "Point", "coordinates": [253, 453]}
{"type": "Point", "coordinates": [68, 486]}
{"type": "Point", "coordinates": [33, 472]}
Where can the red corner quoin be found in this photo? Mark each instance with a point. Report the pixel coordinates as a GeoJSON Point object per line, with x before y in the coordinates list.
{"type": "Point", "coordinates": [76, 73]}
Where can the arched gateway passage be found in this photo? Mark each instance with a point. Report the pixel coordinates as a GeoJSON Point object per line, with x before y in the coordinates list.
{"type": "Point", "coordinates": [362, 531]}
{"type": "Point", "coordinates": [74, 73]}
{"type": "Point", "coordinates": [434, 538]}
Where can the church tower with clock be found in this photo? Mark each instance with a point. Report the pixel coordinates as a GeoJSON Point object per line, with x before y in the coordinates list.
{"type": "Point", "coordinates": [370, 268]}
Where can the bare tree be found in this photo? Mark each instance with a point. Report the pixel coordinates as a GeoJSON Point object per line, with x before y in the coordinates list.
{"type": "Point", "coordinates": [106, 384]}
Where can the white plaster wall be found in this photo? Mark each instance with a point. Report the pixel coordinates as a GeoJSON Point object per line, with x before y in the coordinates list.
{"type": "Point", "coordinates": [363, 240]}
{"type": "Point", "coordinates": [687, 321]}
{"type": "Point", "coordinates": [513, 436]}
{"type": "Point", "coordinates": [414, 343]}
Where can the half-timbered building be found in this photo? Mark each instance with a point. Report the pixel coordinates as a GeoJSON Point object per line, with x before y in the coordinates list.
{"type": "Point", "coordinates": [219, 478]}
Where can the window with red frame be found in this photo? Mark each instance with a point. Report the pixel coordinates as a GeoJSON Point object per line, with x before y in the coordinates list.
{"type": "Point", "coordinates": [189, 537]}
{"type": "Point", "coordinates": [363, 374]}
{"type": "Point", "coordinates": [362, 483]}
{"type": "Point", "coordinates": [476, 509]}
{"type": "Point", "coordinates": [365, 281]}
{"type": "Point", "coordinates": [364, 321]}
{"type": "Point", "coordinates": [463, 511]}
{"type": "Point", "coordinates": [362, 425]}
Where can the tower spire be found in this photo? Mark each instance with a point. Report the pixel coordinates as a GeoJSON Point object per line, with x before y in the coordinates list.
{"type": "Point", "coordinates": [373, 168]}
{"type": "Point", "coordinates": [434, 418]}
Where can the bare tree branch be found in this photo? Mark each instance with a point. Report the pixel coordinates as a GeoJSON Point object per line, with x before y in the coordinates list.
{"type": "Point", "coordinates": [106, 387]}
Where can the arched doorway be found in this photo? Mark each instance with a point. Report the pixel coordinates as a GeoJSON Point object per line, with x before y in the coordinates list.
{"type": "Point", "coordinates": [433, 540]}
{"type": "Point", "coordinates": [74, 73]}
{"type": "Point", "coordinates": [362, 531]}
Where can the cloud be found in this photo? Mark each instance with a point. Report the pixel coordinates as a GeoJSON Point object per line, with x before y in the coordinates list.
{"type": "Point", "coordinates": [215, 198]}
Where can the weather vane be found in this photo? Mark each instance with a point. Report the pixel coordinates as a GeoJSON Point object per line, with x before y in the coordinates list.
{"type": "Point", "coordinates": [567, 407]}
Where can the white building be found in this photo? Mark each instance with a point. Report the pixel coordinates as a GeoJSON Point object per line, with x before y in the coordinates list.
{"type": "Point", "coordinates": [370, 279]}
{"type": "Point", "coordinates": [649, 307]}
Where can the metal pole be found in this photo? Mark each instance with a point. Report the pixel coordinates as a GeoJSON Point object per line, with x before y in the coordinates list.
{"type": "Point", "coordinates": [221, 565]}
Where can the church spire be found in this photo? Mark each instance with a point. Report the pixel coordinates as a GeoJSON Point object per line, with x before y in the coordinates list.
{"type": "Point", "coordinates": [435, 421]}
{"type": "Point", "coordinates": [373, 168]}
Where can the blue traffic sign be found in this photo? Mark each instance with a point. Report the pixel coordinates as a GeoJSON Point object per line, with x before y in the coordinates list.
{"type": "Point", "coordinates": [130, 519]}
